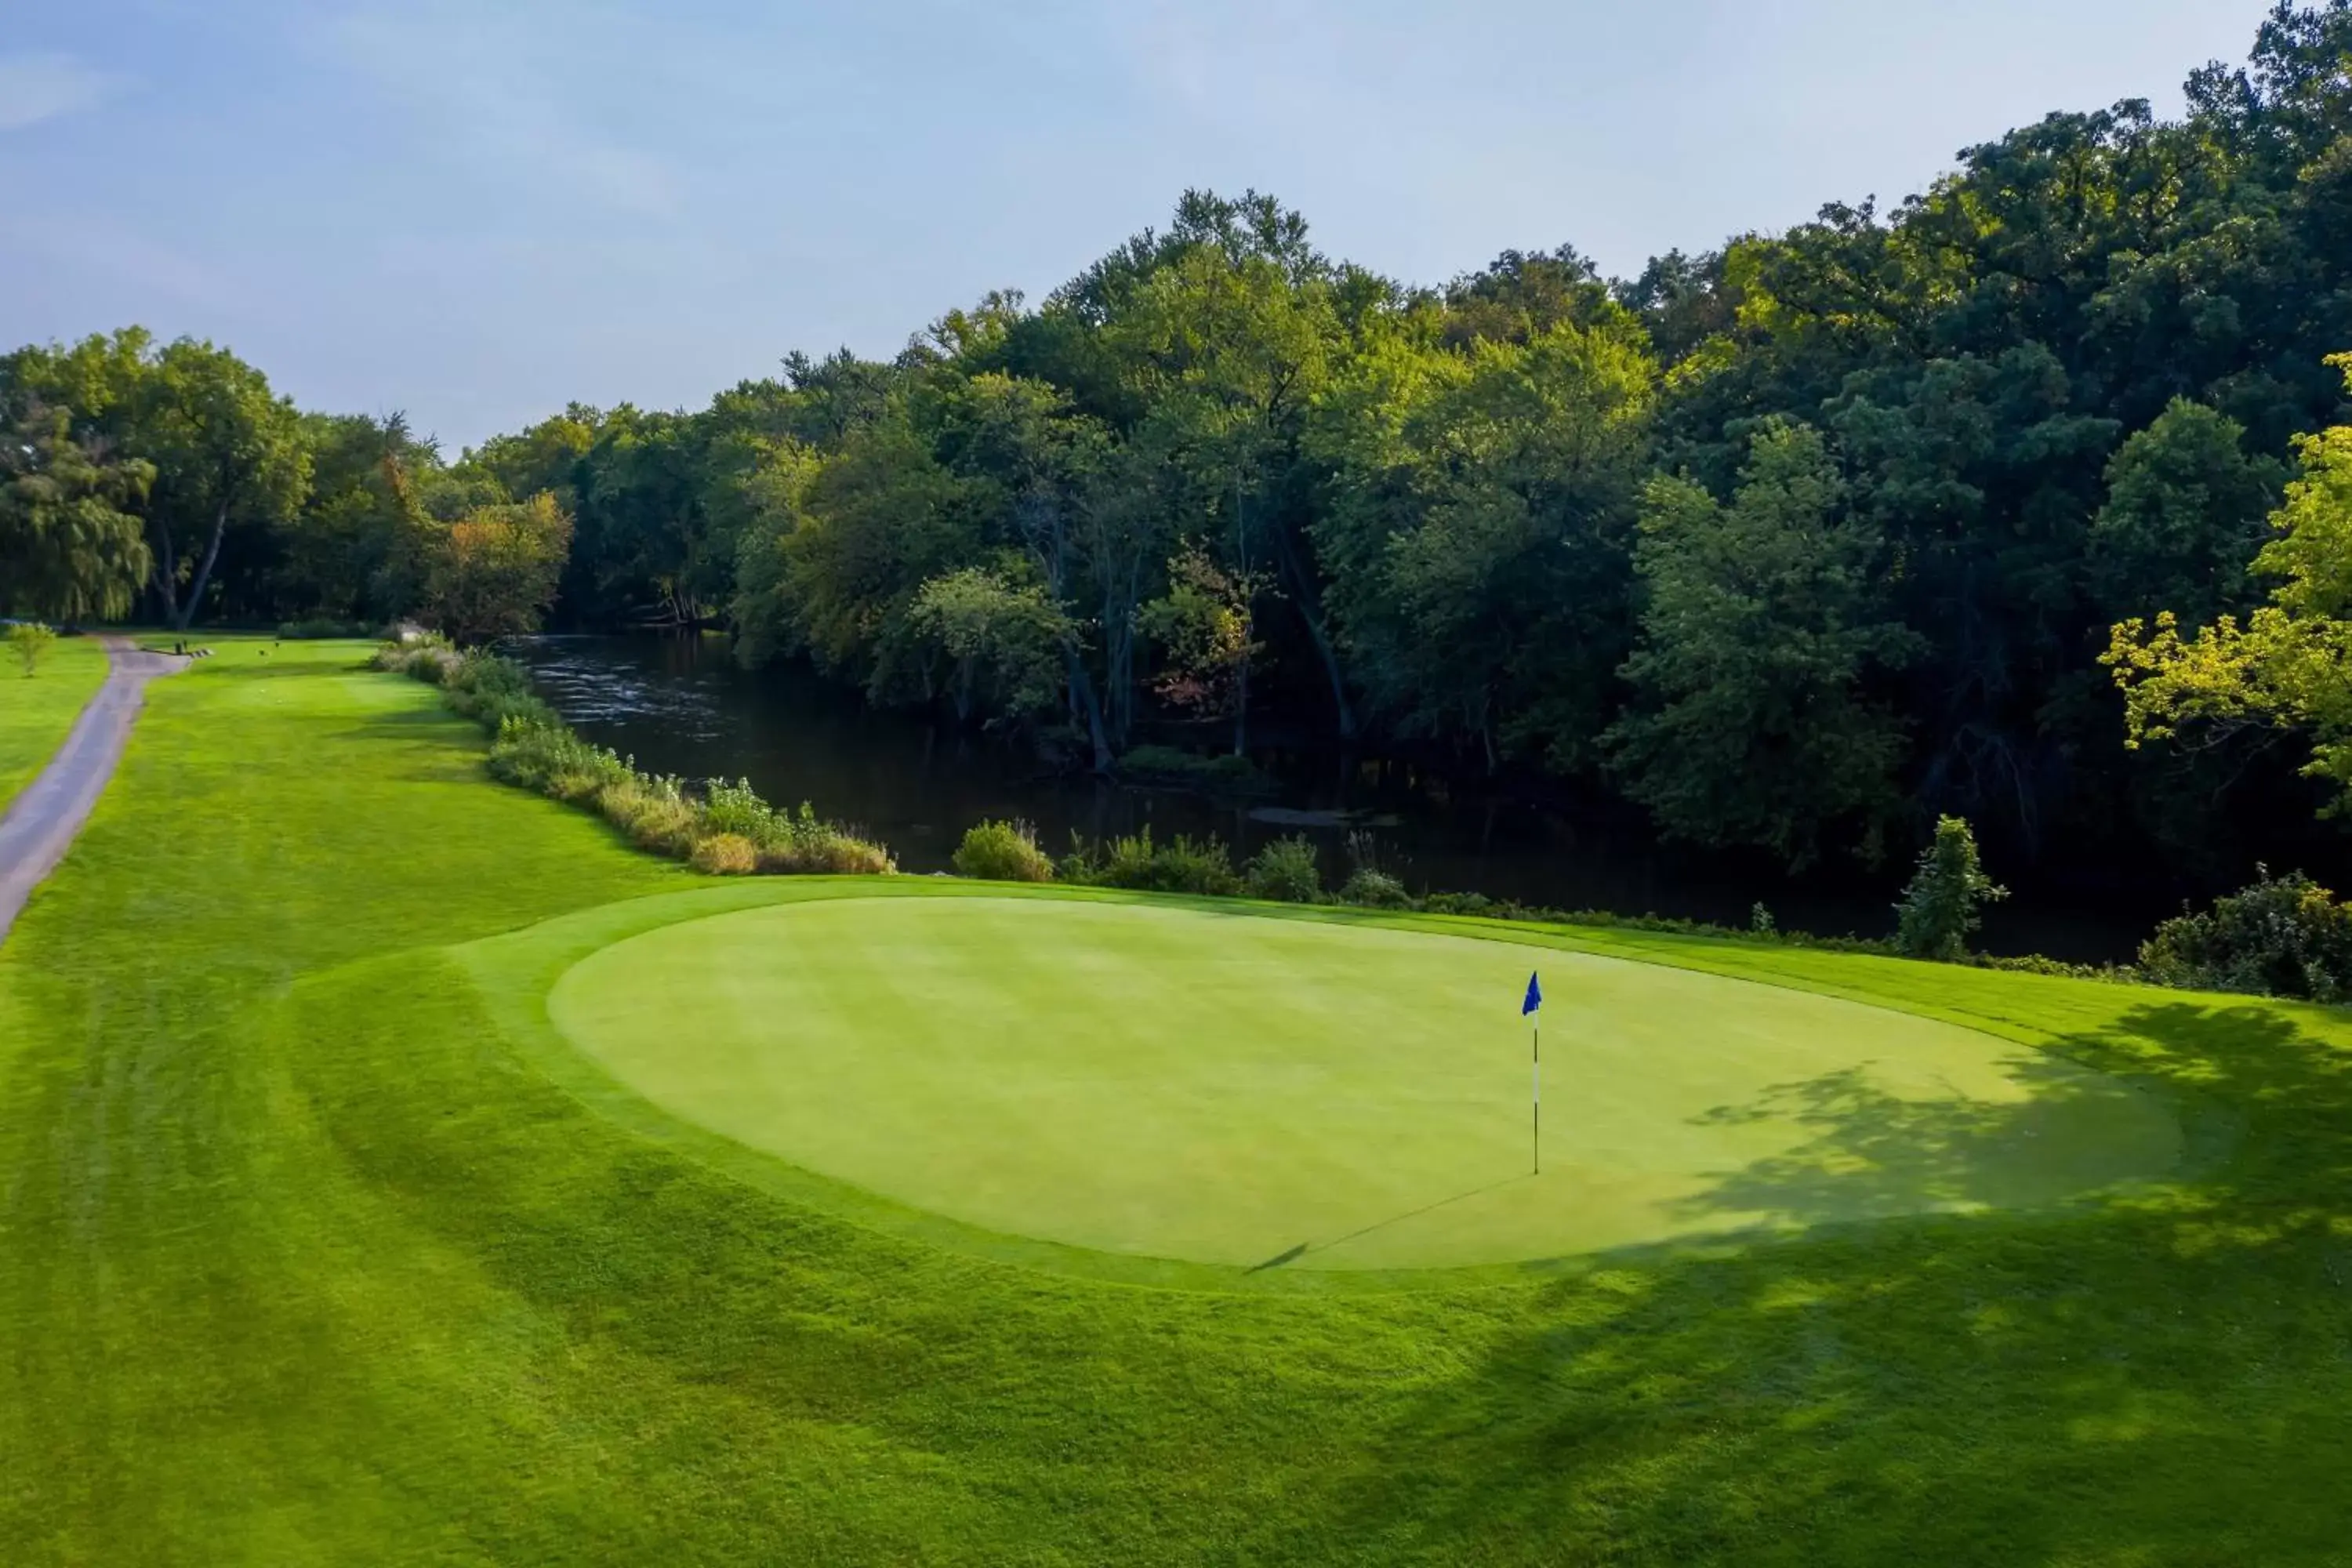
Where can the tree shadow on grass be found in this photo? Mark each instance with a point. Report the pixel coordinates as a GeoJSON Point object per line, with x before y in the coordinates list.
{"type": "Point", "coordinates": [2163, 1378]}
{"type": "Point", "coordinates": [1869, 1153]}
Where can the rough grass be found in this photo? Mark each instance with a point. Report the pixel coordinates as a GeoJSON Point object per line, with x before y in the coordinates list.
{"type": "Point", "coordinates": [300, 1261]}
{"type": "Point", "coordinates": [36, 711]}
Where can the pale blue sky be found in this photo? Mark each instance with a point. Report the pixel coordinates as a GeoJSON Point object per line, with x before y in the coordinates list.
{"type": "Point", "coordinates": [477, 211]}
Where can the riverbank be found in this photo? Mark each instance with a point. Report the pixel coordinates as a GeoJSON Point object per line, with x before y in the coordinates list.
{"type": "Point", "coordinates": [307, 1258]}
{"type": "Point", "coordinates": [679, 705]}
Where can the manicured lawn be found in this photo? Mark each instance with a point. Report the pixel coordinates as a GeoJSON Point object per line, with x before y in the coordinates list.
{"type": "Point", "coordinates": [36, 711]}
{"type": "Point", "coordinates": [318, 1244]}
{"type": "Point", "coordinates": [1174, 1082]}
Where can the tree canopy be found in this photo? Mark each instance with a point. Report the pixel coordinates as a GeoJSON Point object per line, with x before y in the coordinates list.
{"type": "Point", "coordinates": [1802, 542]}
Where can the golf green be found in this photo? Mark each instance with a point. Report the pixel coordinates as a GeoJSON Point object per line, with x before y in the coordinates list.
{"type": "Point", "coordinates": [1230, 1089]}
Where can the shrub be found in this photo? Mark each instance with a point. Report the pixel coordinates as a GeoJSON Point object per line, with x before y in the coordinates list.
{"type": "Point", "coordinates": [737, 808]}
{"type": "Point", "coordinates": [2286, 936]}
{"type": "Point", "coordinates": [1941, 905]}
{"type": "Point", "coordinates": [653, 813]}
{"type": "Point", "coordinates": [1374, 890]}
{"type": "Point", "coordinates": [1003, 852]}
{"type": "Point", "coordinates": [545, 756]}
{"type": "Point", "coordinates": [490, 689]}
{"type": "Point", "coordinates": [429, 660]}
{"type": "Point", "coordinates": [829, 851]}
{"type": "Point", "coordinates": [1288, 869]}
{"type": "Point", "coordinates": [1472, 904]}
{"type": "Point", "coordinates": [29, 641]}
{"type": "Point", "coordinates": [725, 855]}
{"type": "Point", "coordinates": [1181, 866]}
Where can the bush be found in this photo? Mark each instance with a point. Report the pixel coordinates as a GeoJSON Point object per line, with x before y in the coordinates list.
{"type": "Point", "coordinates": [429, 660]}
{"type": "Point", "coordinates": [321, 628]}
{"type": "Point", "coordinates": [1288, 869]}
{"type": "Point", "coordinates": [725, 855]}
{"type": "Point", "coordinates": [737, 808]}
{"type": "Point", "coordinates": [653, 813]}
{"type": "Point", "coordinates": [1940, 906]}
{"type": "Point", "coordinates": [2286, 936]}
{"type": "Point", "coordinates": [1181, 866]}
{"type": "Point", "coordinates": [489, 690]}
{"type": "Point", "coordinates": [29, 641]}
{"type": "Point", "coordinates": [1003, 852]}
{"type": "Point", "coordinates": [1468, 904]}
{"type": "Point", "coordinates": [536, 753]}
{"type": "Point", "coordinates": [1374, 890]}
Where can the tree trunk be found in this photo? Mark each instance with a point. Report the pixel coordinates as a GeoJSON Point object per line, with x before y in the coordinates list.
{"type": "Point", "coordinates": [1303, 592]}
{"type": "Point", "coordinates": [1083, 691]}
{"type": "Point", "coordinates": [204, 572]}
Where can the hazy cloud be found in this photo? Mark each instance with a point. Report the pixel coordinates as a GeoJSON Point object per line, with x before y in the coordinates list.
{"type": "Point", "coordinates": [43, 86]}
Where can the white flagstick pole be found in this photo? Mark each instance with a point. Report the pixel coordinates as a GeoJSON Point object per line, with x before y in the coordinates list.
{"type": "Point", "coordinates": [1535, 1103]}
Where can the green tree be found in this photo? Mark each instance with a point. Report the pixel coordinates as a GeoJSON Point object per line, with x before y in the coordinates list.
{"type": "Point", "coordinates": [30, 641]}
{"type": "Point", "coordinates": [1761, 629]}
{"type": "Point", "coordinates": [1002, 639]}
{"type": "Point", "coordinates": [2289, 665]}
{"type": "Point", "coordinates": [1206, 627]}
{"type": "Point", "coordinates": [1944, 901]}
{"type": "Point", "coordinates": [2185, 513]}
{"type": "Point", "coordinates": [71, 545]}
{"type": "Point", "coordinates": [226, 453]}
{"type": "Point", "coordinates": [359, 547]}
{"type": "Point", "coordinates": [494, 571]}
{"type": "Point", "coordinates": [1477, 526]}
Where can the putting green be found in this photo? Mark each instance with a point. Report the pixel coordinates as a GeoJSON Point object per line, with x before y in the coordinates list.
{"type": "Point", "coordinates": [1228, 1088]}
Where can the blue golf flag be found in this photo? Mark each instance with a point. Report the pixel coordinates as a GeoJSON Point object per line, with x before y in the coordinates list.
{"type": "Point", "coordinates": [1534, 998]}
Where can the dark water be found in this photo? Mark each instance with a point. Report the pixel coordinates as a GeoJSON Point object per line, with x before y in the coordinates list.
{"type": "Point", "coordinates": [681, 706]}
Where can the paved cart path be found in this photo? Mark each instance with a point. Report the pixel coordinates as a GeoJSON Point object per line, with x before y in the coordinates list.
{"type": "Point", "coordinates": [41, 824]}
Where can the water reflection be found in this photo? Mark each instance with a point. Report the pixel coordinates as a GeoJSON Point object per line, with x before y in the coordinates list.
{"type": "Point", "coordinates": [681, 706]}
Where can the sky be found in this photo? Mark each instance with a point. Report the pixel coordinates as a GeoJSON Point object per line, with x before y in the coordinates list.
{"type": "Point", "coordinates": [476, 212]}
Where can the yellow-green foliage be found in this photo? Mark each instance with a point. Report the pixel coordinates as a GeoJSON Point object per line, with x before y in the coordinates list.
{"type": "Point", "coordinates": [1004, 852]}
{"type": "Point", "coordinates": [29, 641]}
{"type": "Point", "coordinates": [725, 855]}
{"type": "Point", "coordinates": [2289, 664]}
{"type": "Point", "coordinates": [827, 852]}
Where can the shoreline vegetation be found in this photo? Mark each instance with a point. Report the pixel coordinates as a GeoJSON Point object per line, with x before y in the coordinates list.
{"type": "Point", "coordinates": [2281, 936]}
{"type": "Point", "coordinates": [725, 829]}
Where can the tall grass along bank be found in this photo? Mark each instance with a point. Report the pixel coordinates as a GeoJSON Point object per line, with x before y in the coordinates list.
{"type": "Point", "coordinates": [723, 830]}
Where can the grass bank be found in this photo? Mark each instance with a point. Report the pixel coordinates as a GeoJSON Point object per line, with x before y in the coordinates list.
{"type": "Point", "coordinates": [303, 1259]}
{"type": "Point", "coordinates": [36, 711]}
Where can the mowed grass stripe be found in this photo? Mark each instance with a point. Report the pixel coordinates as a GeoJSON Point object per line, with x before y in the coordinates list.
{"type": "Point", "coordinates": [1217, 1088]}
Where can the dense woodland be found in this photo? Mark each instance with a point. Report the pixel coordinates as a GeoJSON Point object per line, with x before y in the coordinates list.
{"type": "Point", "coordinates": [1796, 544]}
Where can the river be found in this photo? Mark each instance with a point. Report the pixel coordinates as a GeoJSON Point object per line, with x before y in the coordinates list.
{"type": "Point", "coordinates": [680, 705]}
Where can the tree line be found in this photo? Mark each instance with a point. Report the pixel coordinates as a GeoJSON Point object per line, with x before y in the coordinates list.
{"type": "Point", "coordinates": [1798, 543]}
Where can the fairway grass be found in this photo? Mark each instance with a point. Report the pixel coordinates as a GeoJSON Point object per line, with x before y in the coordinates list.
{"type": "Point", "coordinates": [1177, 1082]}
{"type": "Point", "coordinates": [319, 1244]}
{"type": "Point", "coordinates": [36, 711]}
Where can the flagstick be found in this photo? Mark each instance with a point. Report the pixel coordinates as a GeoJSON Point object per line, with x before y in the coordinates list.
{"type": "Point", "coordinates": [1534, 1104]}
